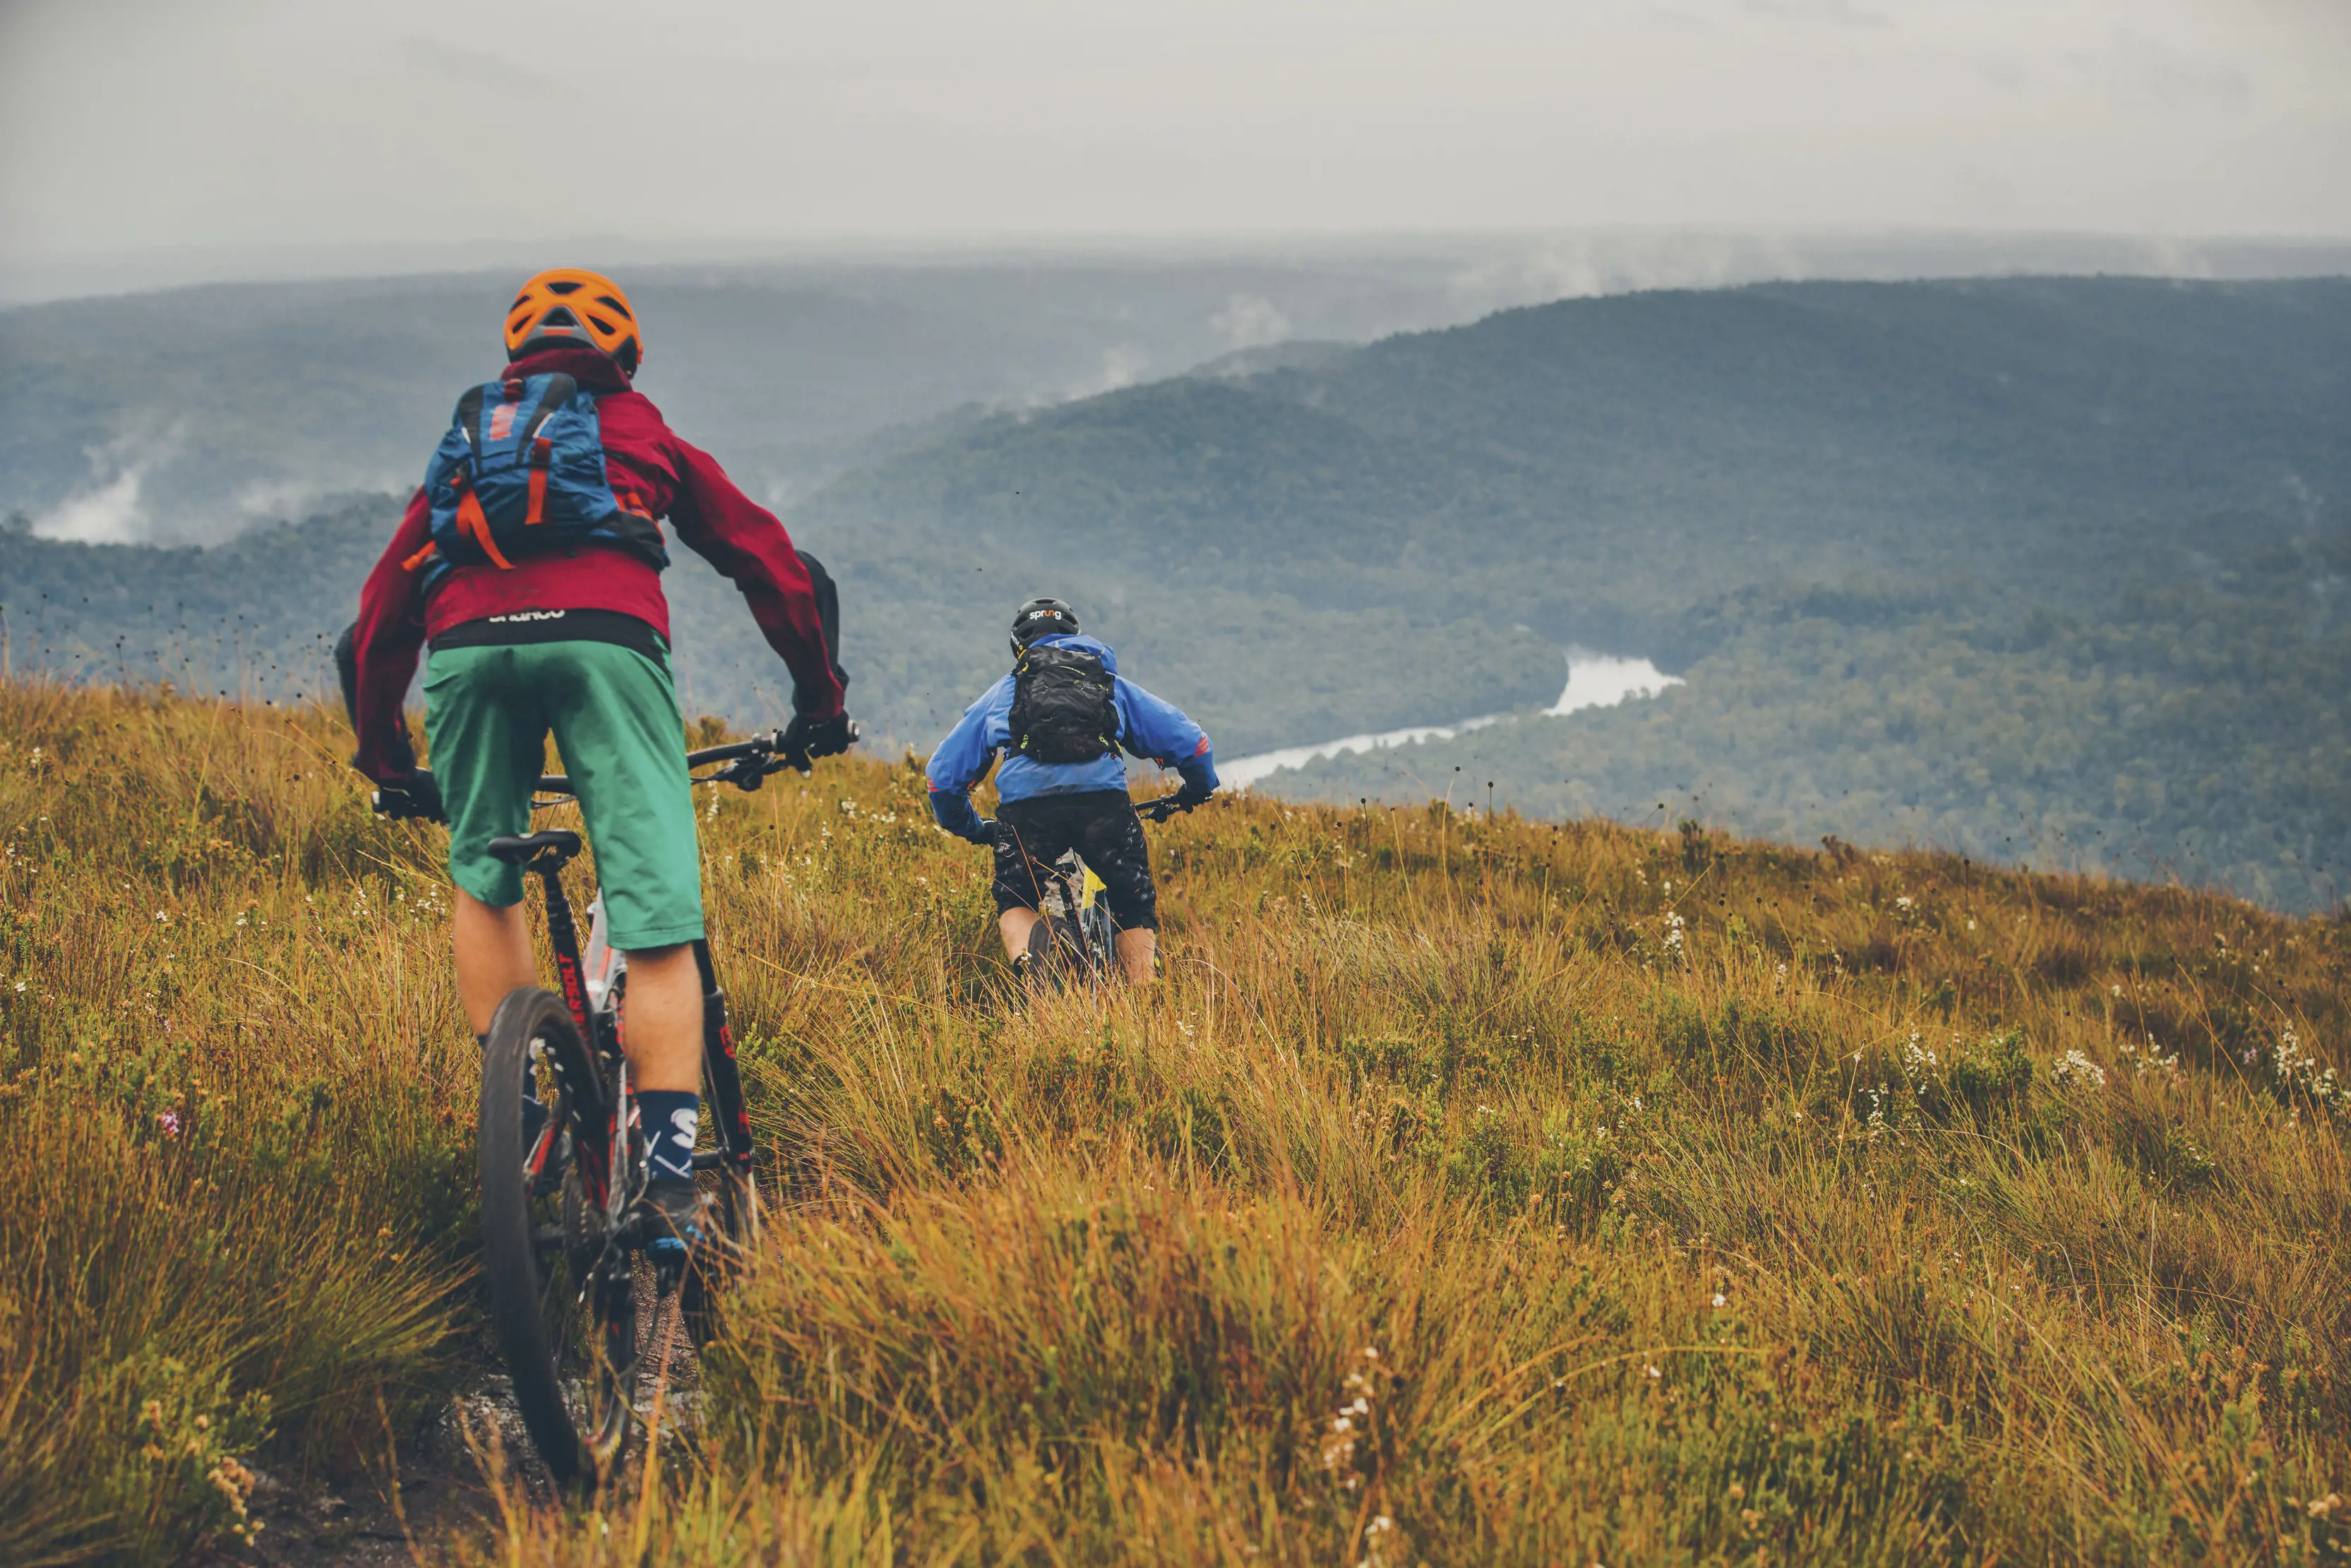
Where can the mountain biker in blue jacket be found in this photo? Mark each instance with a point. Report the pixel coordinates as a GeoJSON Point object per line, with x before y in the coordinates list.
{"type": "Point", "coordinates": [1045, 808]}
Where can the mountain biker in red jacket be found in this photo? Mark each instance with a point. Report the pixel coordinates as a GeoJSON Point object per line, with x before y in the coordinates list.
{"type": "Point", "coordinates": [575, 639]}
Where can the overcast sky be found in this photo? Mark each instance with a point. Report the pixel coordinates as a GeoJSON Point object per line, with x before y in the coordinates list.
{"type": "Point", "coordinates": [247, 128]}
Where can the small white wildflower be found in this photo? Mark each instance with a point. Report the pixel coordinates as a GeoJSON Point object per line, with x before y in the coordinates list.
{"type": "Point", "coordinates": [1654, 1373]}
{"type": "Point", "coordinates": [2075, 1068]}
{"type": "Point", "coordinates": [1720, 1300]}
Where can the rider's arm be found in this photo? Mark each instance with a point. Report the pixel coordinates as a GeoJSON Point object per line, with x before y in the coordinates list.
{"type": "Point", "coordinates": [744, 540]}
{"type": "Point", "coordinates": [386, 642]}
{"type": "Point", "coordinates": [964, 758]}
{"type": "Point", "coordinates": [1162, 732]}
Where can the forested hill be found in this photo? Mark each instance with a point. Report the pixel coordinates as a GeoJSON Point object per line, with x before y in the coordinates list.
{"type": "Point", "coordinates": [1601, 469]}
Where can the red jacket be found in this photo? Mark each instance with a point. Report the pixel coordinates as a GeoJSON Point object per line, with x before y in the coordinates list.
{"type": "Point", "coordinates": [674, 480]}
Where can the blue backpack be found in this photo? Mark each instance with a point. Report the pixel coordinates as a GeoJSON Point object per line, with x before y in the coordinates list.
{"type": "Point", "coordinates": [521, 470]}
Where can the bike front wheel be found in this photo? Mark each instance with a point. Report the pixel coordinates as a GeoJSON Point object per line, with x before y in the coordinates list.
{"type": "Point", "coordinates": [562, 1294]}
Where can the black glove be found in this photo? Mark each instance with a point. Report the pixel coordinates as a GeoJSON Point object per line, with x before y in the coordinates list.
{"type": "Point", "coordinates": [417, 795]}
{"type": "Point", "coordinates": [1192, 795]}
{"type": "Point", "coordinates": [984, 835]}
{"type": "Point", "coordinates": [806, 739]}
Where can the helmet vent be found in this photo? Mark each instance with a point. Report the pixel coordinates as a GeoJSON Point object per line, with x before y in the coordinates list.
{"type": "Point", "coordinates": [565, 285]}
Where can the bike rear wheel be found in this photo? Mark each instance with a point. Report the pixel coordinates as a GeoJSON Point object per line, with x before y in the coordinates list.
{"type": "Point", "coordinates": [563, 1298]}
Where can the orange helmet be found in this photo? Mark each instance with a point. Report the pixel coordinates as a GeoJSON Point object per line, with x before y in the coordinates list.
{"type": "Point", "coordinates": [565, 306]}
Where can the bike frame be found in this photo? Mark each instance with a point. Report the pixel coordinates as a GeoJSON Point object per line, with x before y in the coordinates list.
{"type": "Point", "coordinates": [604, 1156]}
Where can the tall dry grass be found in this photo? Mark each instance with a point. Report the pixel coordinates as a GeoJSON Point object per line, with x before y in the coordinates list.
{"type": "Point", "coordinates": [1467, 1191]}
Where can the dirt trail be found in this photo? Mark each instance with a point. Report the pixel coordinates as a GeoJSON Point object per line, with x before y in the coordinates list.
{"type": "Point", "coordinates": [406, 1513]}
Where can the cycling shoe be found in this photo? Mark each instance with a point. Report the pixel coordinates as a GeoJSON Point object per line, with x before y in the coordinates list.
{"type": "Point", "coordinates": [666, 1222]}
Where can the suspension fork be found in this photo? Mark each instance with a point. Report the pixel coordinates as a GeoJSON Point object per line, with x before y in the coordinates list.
{"type": "Point", "coordinates": [718, 1061]}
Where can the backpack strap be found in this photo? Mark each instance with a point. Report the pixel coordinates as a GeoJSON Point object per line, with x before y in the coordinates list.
{"type": "Point", "coordinates": [469, 413]}
{"type": "Point", "coordinates": [472, 520]}
{"type": "Point", "coordinates": [542, 451]}
{"type": "Point", "coordinates": [541, 448]}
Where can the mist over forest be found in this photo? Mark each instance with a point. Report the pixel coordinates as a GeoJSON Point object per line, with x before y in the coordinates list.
{"type": "Point", "coordinates": [2044, 569]}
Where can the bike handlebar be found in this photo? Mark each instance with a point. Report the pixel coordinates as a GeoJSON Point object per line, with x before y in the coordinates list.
{"type": "Point", "coordinates": [747, 765]}
{"type": "Point", "coordinates": [766, 750]}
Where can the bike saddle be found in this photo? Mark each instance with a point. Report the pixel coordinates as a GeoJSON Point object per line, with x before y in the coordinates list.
{"type": "Point", "coordinates": [560, 842]}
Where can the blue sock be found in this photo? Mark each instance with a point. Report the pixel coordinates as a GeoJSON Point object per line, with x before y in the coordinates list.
{"type": "Point", "coordinates": [670, 1118]}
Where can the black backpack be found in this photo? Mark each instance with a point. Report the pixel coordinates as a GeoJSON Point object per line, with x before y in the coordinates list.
{"type": "Point", "coordinates": [1064, 705]}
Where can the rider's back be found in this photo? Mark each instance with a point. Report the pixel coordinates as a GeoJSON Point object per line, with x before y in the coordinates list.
{"type": "Point", "coordinates": [605, 592]}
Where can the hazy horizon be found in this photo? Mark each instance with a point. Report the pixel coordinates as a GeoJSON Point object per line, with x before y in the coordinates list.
{"type": "Point", "coordinates": [1537, 263]}
{"type": "Point", "coordinates": [145, 143]}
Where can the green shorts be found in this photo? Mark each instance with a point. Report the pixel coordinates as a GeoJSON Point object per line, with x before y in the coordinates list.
{"type": "Point", "coordinates": [614, 710]}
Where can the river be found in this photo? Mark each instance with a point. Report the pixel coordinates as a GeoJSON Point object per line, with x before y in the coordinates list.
{"type": "Point", "coordinates": [1594, 680]}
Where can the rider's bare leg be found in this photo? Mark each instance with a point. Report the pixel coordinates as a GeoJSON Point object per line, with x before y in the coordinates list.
{"type": "Point", "coordinates": [661, 1018]}
{"type": "Point", "coordinates": [1135, 951]}
{"type": "Point", "coordinates": [1014, 925]}
{"type": "Point", "coordinates": [664, 1022]}
{"type": "Point", "coordinates": [492, 956]}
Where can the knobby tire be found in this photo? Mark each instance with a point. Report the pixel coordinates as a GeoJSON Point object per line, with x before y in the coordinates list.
{"type": "Point", "coordinates": [539, 1247]}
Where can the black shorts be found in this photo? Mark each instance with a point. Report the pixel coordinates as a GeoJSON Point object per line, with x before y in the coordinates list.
{"type": "Point", "coordinates": [1101, 826]}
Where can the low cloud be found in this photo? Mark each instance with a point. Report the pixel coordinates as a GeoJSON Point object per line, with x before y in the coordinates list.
{"type": "Point", "coordinates": [1122, 365]}
{"type": "Point", "coordinates": [1250, 321]}
{"type": "Point", "coordinates": [107, 510]}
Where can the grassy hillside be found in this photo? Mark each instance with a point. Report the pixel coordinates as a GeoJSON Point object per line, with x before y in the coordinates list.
{"type": "Point", "coordinates": [1467, 1191]}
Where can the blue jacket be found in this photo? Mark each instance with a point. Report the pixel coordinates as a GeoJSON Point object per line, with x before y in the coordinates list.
{"type": "Point", "coordinates": [1146, 726]}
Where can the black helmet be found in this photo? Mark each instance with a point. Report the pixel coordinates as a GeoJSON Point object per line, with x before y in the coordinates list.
{"type": "Point", "coordinates": [1041, 618]}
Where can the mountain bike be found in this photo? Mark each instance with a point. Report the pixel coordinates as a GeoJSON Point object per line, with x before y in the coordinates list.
{"type": "Point", "coordinates": [1082, 937]}
{"type": "Point", "coordinates": [563, 1159]}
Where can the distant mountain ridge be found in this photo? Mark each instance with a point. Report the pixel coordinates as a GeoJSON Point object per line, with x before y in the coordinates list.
{"type": "Point", "coordinates": [1598, 468]}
